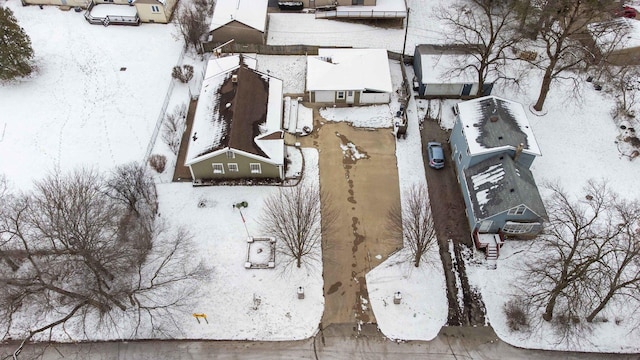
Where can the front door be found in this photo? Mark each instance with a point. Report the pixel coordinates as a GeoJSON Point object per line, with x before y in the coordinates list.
{"type": "Point", "coordinates": [350, 97]}
{"type": "Point", "coordinates": [485, 226]}
{"type": "Point", "coordinates": [466, 89]}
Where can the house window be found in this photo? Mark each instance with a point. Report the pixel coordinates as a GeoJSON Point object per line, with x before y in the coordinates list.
{"type": "Point", "coordinates": [349, 93]}
{"type": "Point", "coordinates": [231, 155]}
{"type": "Point", "coordinates": [155, 9]}
{"type": "Point", "coordinates": [340, 95]}
{"type": "Point", "coordinates": [233, 167]}
{"type": "Point", "coordinates": [218, 168]}
{"type": "Point", "coordinates": [255, 168]}
{"type": "Point", "coordinates": [519, 210]}
{"type": "Point", "coordinates": [517, 228]}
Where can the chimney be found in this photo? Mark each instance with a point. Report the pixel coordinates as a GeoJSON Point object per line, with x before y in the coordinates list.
{"type": "Point", "coordinates": [519, 149]}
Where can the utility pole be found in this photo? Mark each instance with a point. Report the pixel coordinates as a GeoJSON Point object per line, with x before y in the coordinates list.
{"type": "Point", "coordinates": [406, 29]}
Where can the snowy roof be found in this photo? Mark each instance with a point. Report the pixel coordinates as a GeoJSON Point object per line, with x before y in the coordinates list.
{"type": "Point", "coordinates": [617, 34]}
{"type": "Point", "coordinates": [249, 120]}
{"type": "Point", "coordinates": [252, 13]}
{"type": "Point", "coordinates": [491, 123]}
{"type": "Point", "coordinates": [380, 5]}
{"type": "Point", "coordinates": [499, 184]}
{"type": "Point", "coordinates": [349, 69]}
{"type": "Point", "coordinates": [436, 64]}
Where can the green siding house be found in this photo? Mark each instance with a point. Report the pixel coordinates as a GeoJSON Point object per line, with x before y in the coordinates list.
{"type": "Point", "coordinates": [237, 128]}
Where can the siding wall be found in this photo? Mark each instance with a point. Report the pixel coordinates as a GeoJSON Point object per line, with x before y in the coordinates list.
{"type": "Point", "coordinates": [374, 98]}
{"type": "Point", "coordinates": [241, 33]}
{"type": "Point", "coordinates": [146, 14]}
{"type": "Point", "coordinates": [204, 170]}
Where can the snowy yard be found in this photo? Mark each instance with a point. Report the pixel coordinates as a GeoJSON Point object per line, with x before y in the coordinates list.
{"type": "Point", "coordinates": [95, 100]}
{"type": "Point", "coordinates": [241, 303]}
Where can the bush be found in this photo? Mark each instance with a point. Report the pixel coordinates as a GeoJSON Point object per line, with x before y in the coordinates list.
{"type": "Point", "coordinates": [517, 318]}
{"type": "Point", "coordinates": [158, 162]}
{"type": "Point", "coordinates": [184, 73]}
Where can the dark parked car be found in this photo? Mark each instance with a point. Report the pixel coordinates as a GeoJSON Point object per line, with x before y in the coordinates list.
{"type": "Point", "coordinates": [626, 11]}
{"type": "Point", "coordinates": [436, 155]}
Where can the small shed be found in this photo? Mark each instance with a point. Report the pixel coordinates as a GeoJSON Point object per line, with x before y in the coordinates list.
{"type": "Point", "coordinates": [433, 67]}
{"type": "Point", "coordinates": [244, 21]}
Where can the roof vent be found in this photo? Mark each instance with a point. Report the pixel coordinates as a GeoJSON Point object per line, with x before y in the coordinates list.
{"type": "Point", "coordinates": [493, 118]}
{"type": "Point", "coordinates": [512, 190]}
{"type": "Point", "coordinates": [234, 79]}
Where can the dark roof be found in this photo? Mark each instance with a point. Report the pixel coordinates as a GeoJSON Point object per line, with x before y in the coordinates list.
{"type": "Point", "coordinates": [248, 98]}
{"type": "Point", "coordinates": [498, 126]}
{"type": "Point", "coordinates": [499, 184]}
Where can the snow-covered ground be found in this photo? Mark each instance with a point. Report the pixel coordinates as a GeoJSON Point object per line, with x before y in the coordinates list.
{"type": "Point", "coordinates": [94, 99]}
{"type": "Point", "coordinates": [83, 107]}
{"type": "Point", "coordinates": [240, 303]}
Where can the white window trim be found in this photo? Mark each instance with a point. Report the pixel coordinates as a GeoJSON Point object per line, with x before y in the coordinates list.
{"type": "Point", "coordinates": [518, 210]}
{"type": "Point", "coordinates": [219, 166]}
{"type": "Point", "coordinates": [256, 168]}
{"type": "Point", "coordinates": [518, 228]}
{"type": "Point", "coordinates": [340, 95]}
{"type": "Point", "coordinates": [232, 167]}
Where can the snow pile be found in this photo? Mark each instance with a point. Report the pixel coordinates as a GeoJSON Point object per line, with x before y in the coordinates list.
{"type": "Point", "coordinates": [374, 116]}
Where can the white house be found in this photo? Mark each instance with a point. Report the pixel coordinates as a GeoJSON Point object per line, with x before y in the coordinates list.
{"type": "Point", "coordinates": [350, 76]}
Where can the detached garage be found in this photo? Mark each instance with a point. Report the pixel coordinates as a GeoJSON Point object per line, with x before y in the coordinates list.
{"type": "Point", "coordinates": [433, 68]}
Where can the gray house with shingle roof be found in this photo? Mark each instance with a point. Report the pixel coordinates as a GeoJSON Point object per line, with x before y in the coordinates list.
{"type": "Point", "coordinates": [493, 147]}
{"type": "Point", "coordinates": [237, 127]}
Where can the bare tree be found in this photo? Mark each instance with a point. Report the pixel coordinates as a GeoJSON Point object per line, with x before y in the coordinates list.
{"type": "Point", "coordinates": [572, 248]}
{"type": "Point", "coordinates": [132, 185]}
{"type": "Point", "coordinates": [619, 274]}
{"type": "Point", "coordinates": [192, 24]}
{"type": "Point", "coordinates": [79, 266]}
{"type": "Point", "coordinates": [173, 127]}
{"type": "Point", "coordinates": [484, 30]}
{"type": "Point", "coordinates": [413, 220]}
{"type": "Point", "coordinates": [297, 216]}
{"type": "Point", "coordinates": [560, 25]}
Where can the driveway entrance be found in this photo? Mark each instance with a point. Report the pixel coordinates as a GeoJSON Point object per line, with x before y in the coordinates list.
{"type": "Point", "coordinates": [358, 171]}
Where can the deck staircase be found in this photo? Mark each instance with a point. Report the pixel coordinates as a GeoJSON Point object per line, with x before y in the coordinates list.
{"type": "Point", "coordinates": [492, 256]}
{"type": "Point", "coordinates": [492, 251]}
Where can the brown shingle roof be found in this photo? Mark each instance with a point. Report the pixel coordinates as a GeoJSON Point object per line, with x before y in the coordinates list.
{"type": "Point", "coordinates": [248, 98]}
